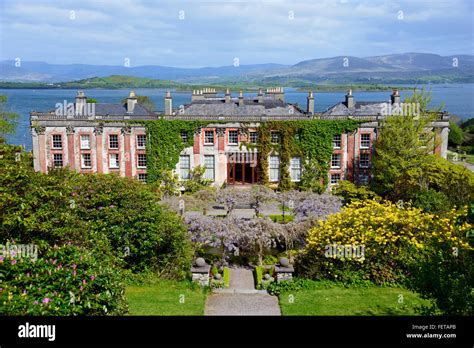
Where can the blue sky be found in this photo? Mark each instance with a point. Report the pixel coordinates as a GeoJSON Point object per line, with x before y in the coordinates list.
{"type": "Point", "coordinates": [197, 33]}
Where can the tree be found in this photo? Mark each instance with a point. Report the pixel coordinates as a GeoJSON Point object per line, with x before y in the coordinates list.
{"type": "Point", "coordinates": [144, 101]}
{"type": "Point", "coordinates": [7, 118]}
{"type": "Point", "coordinates": [402, 145]}
{"type": "Point", "coordinates": [456, 136]}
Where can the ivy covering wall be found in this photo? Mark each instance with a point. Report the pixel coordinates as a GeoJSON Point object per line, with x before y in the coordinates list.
{"type": "Point", "coordinates": [311, 140]}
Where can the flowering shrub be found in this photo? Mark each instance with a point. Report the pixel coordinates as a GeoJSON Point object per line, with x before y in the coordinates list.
{"type": "Point", "coordinates": [315, 206]}
{"type": "Point", "coordinates": [118, 216]}
{"type": "Point", "coordinates": [391, 237]}
{"type": "Point", "coordinates": [66, 280]}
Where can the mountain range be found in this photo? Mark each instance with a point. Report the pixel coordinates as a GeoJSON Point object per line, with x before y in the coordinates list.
{"type": "Point", "coordinates": [392, 68]}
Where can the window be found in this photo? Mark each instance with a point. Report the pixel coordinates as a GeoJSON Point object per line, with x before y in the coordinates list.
{"type": "Point", "coordinates": [209, 137]}
{"type": "Point", "coordinates": [184, 136]}
{"type": "Point", "coordinates": [274, 168]}
{"type": "Point", "coordinates": [86, 160]}
{"type": "Point", "coordinates": [141, 160]}
{"type": "Point", "coordinates": [209, 165]}
{"type": "Point", "coordinates": [295, 167]}
{"type": "Point", "coordinates": [335, 178]}
{"type": "Point", "coordinates": [364, 160]}
{"type": "Point", "coordinates": [57, 159]}
{"type": "Point", "coordinates": [113, 141]}
{"type": "Point", "coordinates": [57, 141]}
{"type": "Point", "coordinates": [141, 141]}
{"type": "Point", "coordinates": [142, 177]}
{"type": "Point", "coordinates": [253, 137]}
{"type": "Point", "coordinates": [85, 142]}
{"type": "Point", "coordinates": [336, 160]}
{"type": "Point", "coordinates": [363, 179]}
{"type": "Point", "coordinates": [114, 160]}
{"type": "Point", "coordinates": [364, 141]}
{"type": "Point", "coordinates": [275, 138]}
{"type": "Point", "coordinates": [233, 137]}
{"type": "Point", "coordinates": [336, 141]}
{"type": "Point", "coordinates": [184, 167]}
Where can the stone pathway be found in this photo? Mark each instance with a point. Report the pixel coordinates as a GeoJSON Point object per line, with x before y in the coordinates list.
{"type": "Point", "coordinates": [241, 298]}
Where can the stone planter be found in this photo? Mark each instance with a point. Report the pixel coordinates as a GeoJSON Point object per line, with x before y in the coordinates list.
{"type": "Point", "coordinates": [200, 272]}
{"type": "Point", "coordinates": [284, 270]}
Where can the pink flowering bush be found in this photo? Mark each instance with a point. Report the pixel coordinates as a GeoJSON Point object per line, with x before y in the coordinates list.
{"type": "Point", "coordinates": [65, 280]}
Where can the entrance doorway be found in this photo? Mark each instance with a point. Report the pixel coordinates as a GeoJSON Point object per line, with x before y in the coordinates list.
{"type": "Point", "coordinates": [242, 173]}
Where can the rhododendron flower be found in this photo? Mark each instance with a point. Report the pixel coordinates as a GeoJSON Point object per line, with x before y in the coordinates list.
{"type": "Point", "coordinates": [46, 300]}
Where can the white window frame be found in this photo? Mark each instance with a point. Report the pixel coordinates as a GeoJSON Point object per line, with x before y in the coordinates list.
{"type": "Point", "coordinates": [334, 141]}
{"type": "Point", "coordinates": [83, 161]}
{"type": "Point", "coordinates": [142, 180]}
{"type": "Point", "coordinates": [205, 137]}
{"type": "Point", "coordinates": [333, 160]}
{"type": "Point", "coordinates": [333, 175]}
{"type": "Point", "coordinates": [295, 169]}
{"type": "Point", "coordinates": [274, 167]}
{"type": "Point", "coordinates": [368, 160]}
{"type": "Point", "coordinates": [275, 136]}
{"type": "Point", "coordinates": [138, 160]}
{"type": "Point", "coordinates": [184, 169]}
{"type": "Point", "coordinates": [143, 136]}
{"type": "Point", "coordinates": [53, 145]}
{"type": "Point", "coordinates": [117, 166]}
{"type": "Point", "coordinates": [184, 136]}
{"type": "Point", "coordinates": [118, 141]}
{"type": "Point", "coordinates": [54, 160]}
{"type": "Point", "coordinates": [363, 143]}
{"type": "Point", "coordinates": [84, 145]}
{"type": "Point", "coordinates": [253, 135]}
{"type": "Point", "coordinates": [210, 173]}
{"type": "Point", "coordinates": [236, 142]}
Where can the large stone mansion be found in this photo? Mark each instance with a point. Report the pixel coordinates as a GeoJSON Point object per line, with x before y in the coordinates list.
{"type": "Point", "coordinates": [99, 138]}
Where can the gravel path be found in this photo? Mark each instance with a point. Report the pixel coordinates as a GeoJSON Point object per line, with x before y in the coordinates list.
{"type": "Point", "coordinates": [241, 298]}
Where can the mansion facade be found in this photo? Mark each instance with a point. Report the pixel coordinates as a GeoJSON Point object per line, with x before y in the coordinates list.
{"type": "Point", "coordinates": [102, 138]}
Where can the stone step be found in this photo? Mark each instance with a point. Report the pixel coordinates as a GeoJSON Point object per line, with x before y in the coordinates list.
{"type": "Point", "coordinates": [239, 291]}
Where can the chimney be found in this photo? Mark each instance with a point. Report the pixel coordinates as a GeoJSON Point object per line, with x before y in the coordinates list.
{"type": "Point", "coordinates": [168, 103]}
{"type": "Point", "coordinates": [131, 102]}
{"type": "Point", "coordinates": [395, 97]}
{"type": "Point", "coordinates": [310, 103]}
{"type": "Point", "coordinates": [241, 98]}
{"type": "Point", "coordinates": [227, 96]}
{"type": "Point", "coordinates": [81, 101]}
{"type": "Point", "coordinates": [260, 96]}
{"type": "Point", "coordinates": [209, 92]}
{"type": "Point", "coordinates": [197, 95]}
{"type": "Point", "coordinates": [349, 99]}
{"type": "Point", "coordinates": [276, 92]}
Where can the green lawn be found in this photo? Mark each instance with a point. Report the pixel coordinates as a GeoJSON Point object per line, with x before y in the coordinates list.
{"type": "Point", "coordinates": [351, 301]}
{"type": "Point", "coordinates": [165, 298]}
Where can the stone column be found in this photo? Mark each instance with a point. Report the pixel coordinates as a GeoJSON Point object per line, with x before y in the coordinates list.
{"type": "Point", "coordinates": [126, 131]}
{"type": "Point", "coordinates": [71, 151]}
{"type": "Point", "coordinates": [98, 131]}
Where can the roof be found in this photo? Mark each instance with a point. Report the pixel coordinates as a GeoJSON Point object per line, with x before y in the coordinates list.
{"type": "Point", "coordinates": [218, 107]}
{"type": "Point", "coordinates": [359, 109]}
{"type": "Point", "coordinates": [120, 109]}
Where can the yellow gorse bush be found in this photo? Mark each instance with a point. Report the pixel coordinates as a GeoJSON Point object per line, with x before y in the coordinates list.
{"type": "Point", "coordinates": [388, 230]}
